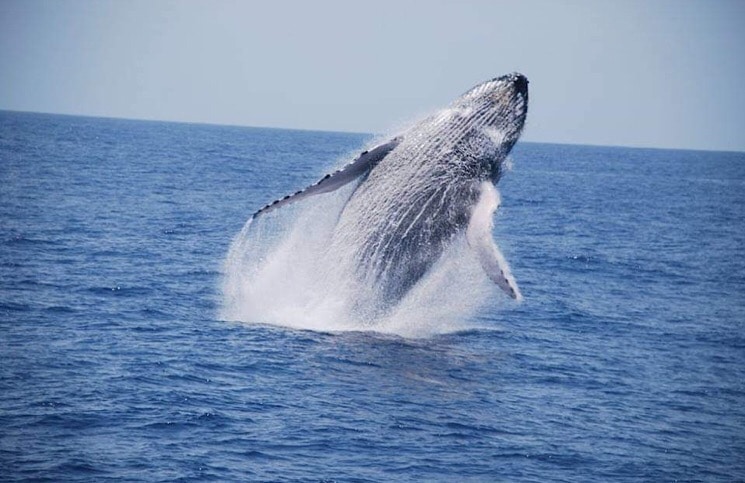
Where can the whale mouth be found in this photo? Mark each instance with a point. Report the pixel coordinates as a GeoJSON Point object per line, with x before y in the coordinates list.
{"type": "Point", "coordinates": [509, 99]}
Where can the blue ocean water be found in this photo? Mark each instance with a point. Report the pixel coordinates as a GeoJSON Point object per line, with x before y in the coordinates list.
{"type": "Point", "coordinates": [625, 362]}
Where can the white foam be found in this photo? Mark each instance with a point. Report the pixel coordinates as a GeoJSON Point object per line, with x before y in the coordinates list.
{"type": "Point", "coordinates": [279, 272]}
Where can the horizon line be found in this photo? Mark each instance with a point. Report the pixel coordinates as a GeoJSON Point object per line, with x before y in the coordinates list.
{"type": "Point", "coordinates": [218, 124]}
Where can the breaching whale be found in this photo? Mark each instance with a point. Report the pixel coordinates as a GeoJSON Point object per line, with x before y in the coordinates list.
{"type": "Point", "coordinates": [426, 186]}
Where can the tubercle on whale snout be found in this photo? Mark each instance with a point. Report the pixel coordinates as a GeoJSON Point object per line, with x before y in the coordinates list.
{"type": "Point", "coordinates": [519, 81]}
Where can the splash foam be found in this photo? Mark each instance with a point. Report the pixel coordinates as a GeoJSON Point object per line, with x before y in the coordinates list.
{"type": "Point", "coordinates": [279, 271]}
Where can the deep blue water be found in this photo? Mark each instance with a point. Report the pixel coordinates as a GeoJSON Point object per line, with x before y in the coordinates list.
{"type": "Point", "coordinates": [625, 362]}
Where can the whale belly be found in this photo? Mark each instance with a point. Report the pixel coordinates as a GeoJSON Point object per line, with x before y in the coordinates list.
{"type": "Point", "coordinates": [396, 226]}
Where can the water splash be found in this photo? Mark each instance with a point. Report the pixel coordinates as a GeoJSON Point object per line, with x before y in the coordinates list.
{"type": "Point", "coordinates": [280, 271]}
{"type": "Point", "coordinates": [293, 267]}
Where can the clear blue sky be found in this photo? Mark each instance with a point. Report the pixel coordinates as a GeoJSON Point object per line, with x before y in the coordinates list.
{"type": "Point", "coordinates": [637, 73]}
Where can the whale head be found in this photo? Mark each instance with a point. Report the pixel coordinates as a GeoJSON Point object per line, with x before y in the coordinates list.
{"type": "Point", "coordinates": [499, 105]}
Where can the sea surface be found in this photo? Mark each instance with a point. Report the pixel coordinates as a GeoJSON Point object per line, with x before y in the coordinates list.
{"type": "Point", "coordinates": [119, 360]}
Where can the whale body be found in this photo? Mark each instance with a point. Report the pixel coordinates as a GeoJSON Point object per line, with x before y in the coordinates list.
{"type": "Point", "coordinates": [423, 188]}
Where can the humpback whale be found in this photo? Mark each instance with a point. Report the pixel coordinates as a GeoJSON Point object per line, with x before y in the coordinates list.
{"type": "Point", "coordinates": [424, 187]}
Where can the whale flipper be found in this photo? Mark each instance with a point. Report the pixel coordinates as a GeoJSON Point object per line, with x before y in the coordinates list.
{"type": "Point", "coordinates": [360, 166]}
{"type": "Point", "coordinates": [479, 236]}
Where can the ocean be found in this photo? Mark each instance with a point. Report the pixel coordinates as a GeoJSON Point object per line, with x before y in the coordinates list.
{"type": "Point", "coordinates": [122, 358]}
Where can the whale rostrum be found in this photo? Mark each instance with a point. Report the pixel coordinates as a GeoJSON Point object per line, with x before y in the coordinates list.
{"type": "Point", "coordinates": [426, 186]}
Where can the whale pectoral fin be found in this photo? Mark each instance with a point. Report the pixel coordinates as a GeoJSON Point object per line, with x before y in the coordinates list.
{"type": "Point", "coordinates": [360, 166]}
{"type": "Point", "coordinates": [479, 235]}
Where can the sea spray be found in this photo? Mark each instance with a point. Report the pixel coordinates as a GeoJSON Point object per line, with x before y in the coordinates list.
{"type": "Point", "coordinates": [275, 271]}
{"type": "Point", "coordinates": [280, 271]}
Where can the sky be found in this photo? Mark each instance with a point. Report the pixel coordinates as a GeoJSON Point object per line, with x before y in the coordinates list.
{"type": "Point", "coordinates": [661, 73]}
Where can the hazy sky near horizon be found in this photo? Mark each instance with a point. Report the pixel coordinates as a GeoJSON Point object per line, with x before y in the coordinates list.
{"type": "Point", "coordinates": [636, 73]}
